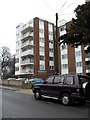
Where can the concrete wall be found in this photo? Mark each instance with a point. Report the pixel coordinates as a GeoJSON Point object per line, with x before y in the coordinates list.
{"type": "Point", "coordinates": [15, 83]}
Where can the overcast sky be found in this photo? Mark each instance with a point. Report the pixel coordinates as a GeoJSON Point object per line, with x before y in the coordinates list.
{"type": "Point", "coordinates": [13, 12]}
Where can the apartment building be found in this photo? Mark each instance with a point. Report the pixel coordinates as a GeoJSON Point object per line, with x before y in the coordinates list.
{"type": "Point", "coordinates": [72, 60]}
{"type": "Point", "coordinates": [87, 59]}
{"type": "Point", "coordinates": [35, 49]}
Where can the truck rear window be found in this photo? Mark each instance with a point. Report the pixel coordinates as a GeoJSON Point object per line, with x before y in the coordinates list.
{"type": "Point", "coordinates": [69, 80]}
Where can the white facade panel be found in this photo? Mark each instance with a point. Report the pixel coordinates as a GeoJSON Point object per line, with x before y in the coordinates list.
{"type": "Point", "coordinates": [51, 45]}
{"type": "Point", "coordinates": [41, 53]}
{"type": "Point", "coordinates": [65, 61]}
{"type": "Point", "coordinates": [51, 63]}
{"type": "Point", "coordinates": [64, 71]}
{"type": "Point", "coordinates": [51, 54]}
{"type": "Point", "coordinates": [63, 32]}
{"type": "Point", "coordinates": [42, 62]}
{"type": "Point", "coordinates": [79, 69]}
{"type": "Point", "coordinates": [41, 44]}
{"type": "Point", "coordinates": [79, 59]}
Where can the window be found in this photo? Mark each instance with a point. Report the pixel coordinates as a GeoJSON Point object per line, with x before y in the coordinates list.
{"type": "Point", "coordinates": [63, 47]}
{"type": "Point", "coordinates": [51, 58]}
{"type": "Point", "coordinates": [42, 58]}
{"type": "Point", "coordinates": [61, 79]}
{"type": "Point", "coordinates": [50, 27]}
{"type": "Point", "coordinates": [56, 80]}
{"type": "Point", "coordinates": [51, 67]}
{"type": "Point", "coordinates": [64, 66]}
{"type": "Point", "coordinates": [17, 60]}
{"type": "Point", "coordinates": [63, 28]}
{"type": "Point", "coordinates": [42, 67]}
{"type": "Point", "coordinates": [79, 64]}
{"type": "Point", "coordinates": [41, 24]}
{"type": "Point", "coordinates": [50, 80]}
{"type": "Point", "coordinates": [41, 40]}
{"type": "Point", "coordinates": [51, 50]}
{"type": "Point", "coordinates": [50, 33]}
{"type": "Point", "coordinates": [16, 68]}
{"type": "Point", "coordinates": [41, 49]}
{"type": "Point", "coordinates": [51, 42]}
{"type": "Point", "coordinates": [64, 56]}
{"type": "Point", "coordinates": [41, 31]}
{"type": "Point", "coordinates": [69, 80]}
{"type": "Point", "coordinates": [78, 54]}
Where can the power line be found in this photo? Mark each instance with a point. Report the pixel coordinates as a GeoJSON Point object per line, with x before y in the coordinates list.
{"type": "Point", "coordinates": [67, 7]}
{"type": "Point", "coordinates": [58, 6]}
{"type": "Point", "coordinates": [63, 5]}
{"type": "Point", "coordinates": [52, 10]}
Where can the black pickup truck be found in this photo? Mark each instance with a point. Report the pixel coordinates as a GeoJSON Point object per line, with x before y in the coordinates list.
{"type": "Point", "coordinates": [67, 88]}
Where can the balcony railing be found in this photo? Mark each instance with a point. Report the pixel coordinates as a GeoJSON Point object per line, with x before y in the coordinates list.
{"type": "Point", "coordinates": [87, 55]}
{"type": "Point", "coordinates": [28, 71]}
{"type": "Point", "coordinates": [28, 61]}
{"type": "Point", "coordinates": [26, 26]}
{"type": "Point", "coordinates": [31, 43]}
{"type": "Point", "coordinates": [28, 52]}
{"type": "Point", "coordinates": [27, 34]}
{"type": "Point", "coordinates": [88, 67]}
{"type": "Point", "coordinates": [87, 59]}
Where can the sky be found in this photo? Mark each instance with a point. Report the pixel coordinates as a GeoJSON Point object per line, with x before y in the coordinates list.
{"type": "Point", "coordinates": [14, 12]}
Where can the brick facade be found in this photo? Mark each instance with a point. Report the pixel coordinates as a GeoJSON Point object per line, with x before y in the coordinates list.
{"type": "Point", "coordinates": [72, 57]}
{"type": "Point", "coordinates": [37, 72]}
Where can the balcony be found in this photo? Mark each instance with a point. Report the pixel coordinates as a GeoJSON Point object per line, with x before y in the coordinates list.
{"type": "Point", "coordinates": [27, 62]}
{"type": "Point", "coordinates": [87, 59]}
{"type": "Point", "coordinates": [28, 71]}
{"type": "Point", "coordinates": [88, 71]}
{"type": "Point", "coordinates": [27, 53]}
{"type": "Point", "coordinates": [26, 27]}
{"type": "Point", "coordinates": [87, 55]}
{"type": "Point", "coordinates": [27, 44]}
{"type": "Point", "coordinates": [27, 35]}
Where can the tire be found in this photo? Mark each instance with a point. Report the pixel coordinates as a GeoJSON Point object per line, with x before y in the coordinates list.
{"type": "Point", "coordinates": [37, 95]}
{"type": "Point", "coordinates": [66, 99]}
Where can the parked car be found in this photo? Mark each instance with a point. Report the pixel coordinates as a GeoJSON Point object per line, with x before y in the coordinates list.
{"type": "Point", "coordinates": [21, 79]}
{"type": "Point", "coordinates": [34, 81]}
{"type": "Point", "coordinates": [11, 79]}
{"type": "Point", "coordinates": [67, 88]}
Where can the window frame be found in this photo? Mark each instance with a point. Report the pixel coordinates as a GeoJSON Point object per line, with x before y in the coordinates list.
{"type": "Point", "coordinates": [52, 80]}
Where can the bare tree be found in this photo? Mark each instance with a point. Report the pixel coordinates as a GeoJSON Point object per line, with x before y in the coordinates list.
{"type": "Point", "coordinates": [5, 58]}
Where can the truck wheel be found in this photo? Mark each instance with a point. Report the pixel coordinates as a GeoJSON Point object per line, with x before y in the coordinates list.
{"type": "Point", "coordinates": [65, 99]}
{"type": "Point", "coordinates": [37, 95]}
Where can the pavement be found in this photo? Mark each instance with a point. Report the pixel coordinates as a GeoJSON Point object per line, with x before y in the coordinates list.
{"type": "Point", "coordinates": [20, 90]}
{"type": "Point", "coordinates": [24, 106]}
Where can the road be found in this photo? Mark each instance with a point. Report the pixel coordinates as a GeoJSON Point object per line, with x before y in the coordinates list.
{"type": "Point", "coordinates": [19, 105]}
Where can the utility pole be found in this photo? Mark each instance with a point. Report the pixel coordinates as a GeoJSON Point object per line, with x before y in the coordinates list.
{"type": "Point", "coordinates": [56, 46]}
